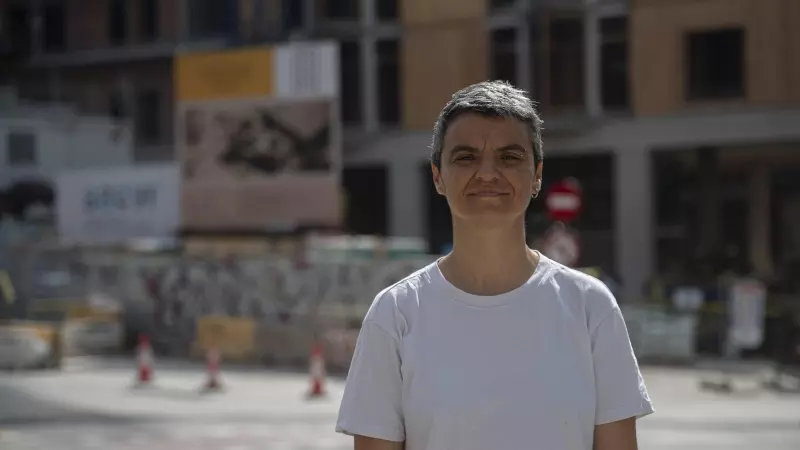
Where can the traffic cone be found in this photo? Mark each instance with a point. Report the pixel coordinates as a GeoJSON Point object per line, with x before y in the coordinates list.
{"type": "Point", "coordinates": [144, 376]}
{"type": "Point", "coordinates": [317, 371]}
{"type": "Point", "coordinates": [212, 370]}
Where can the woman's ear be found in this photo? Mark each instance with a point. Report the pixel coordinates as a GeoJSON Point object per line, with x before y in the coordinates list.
{"type": "Point", "coordinates": [537, 187]}
{"type": "Point", "coordinates": [437, 179]}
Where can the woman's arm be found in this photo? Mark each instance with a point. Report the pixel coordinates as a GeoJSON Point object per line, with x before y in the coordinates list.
{"type": "Point", "coordinates": [619, 435]}
{"type": "Point", "coordinates": [368, 443]}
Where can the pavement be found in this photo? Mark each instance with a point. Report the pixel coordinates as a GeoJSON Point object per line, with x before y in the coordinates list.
{"type": "Point", "coordinates": [94, 405]}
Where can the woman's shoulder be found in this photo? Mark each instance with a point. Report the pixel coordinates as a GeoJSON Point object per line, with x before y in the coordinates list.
{"type": "Point", "coordinates": [581, 288]}
{"type": "Point", "coordinates": [396, 300]}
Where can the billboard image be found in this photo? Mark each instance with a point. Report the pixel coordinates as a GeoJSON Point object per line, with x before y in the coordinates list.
{"type": "Point", "coordinates": [257, 159]}
{"type": "Point", "coordinates": [116, 205]}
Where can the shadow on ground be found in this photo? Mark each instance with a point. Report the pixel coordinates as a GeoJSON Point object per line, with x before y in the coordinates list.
{"type": "Point", "coordinates": [22, 409]}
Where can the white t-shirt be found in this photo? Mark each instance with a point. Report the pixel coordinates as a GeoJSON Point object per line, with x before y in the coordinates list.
{"type": "Point", "coordinates": [534, 368]}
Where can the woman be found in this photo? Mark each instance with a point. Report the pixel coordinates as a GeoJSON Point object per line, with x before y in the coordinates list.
{"type": "Point", "coordinates": [494, 346]}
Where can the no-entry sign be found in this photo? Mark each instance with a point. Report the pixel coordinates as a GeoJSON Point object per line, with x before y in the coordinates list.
{"type": "Point", "coordinates": [564, 200]}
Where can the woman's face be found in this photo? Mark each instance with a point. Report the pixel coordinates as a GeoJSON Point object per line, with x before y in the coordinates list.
{"type": "Point", "coordinates": [487, 171]}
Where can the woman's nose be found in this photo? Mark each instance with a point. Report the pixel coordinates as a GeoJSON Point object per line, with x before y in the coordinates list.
{"type": "Point", "coordinates": [487, 169]}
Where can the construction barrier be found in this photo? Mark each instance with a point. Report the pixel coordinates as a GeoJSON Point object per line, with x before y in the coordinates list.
{"type": "Point", "coordinates": [29, 345]}
{"type": "Point", "coordinates": [659, 335]}
{"type": "Point", "coordinates": [231, 337]}
{"type": "Point", "coordinates": [92, 331]}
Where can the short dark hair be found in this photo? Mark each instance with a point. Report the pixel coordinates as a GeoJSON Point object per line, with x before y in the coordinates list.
{"type": "Point", "coordinates": [491, 99]}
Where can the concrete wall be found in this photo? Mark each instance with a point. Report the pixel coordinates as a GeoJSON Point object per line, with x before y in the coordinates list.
{"type": "Point", "coordinates": [64, 143]}
{"type": "Point", "coordinates": [772, 51]}
{"type": "Point", "coordinates": [90, 89]}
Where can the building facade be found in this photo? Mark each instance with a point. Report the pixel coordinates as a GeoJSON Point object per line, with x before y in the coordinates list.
{"type": "Point", "coordinates": [679, 117]}
{"type": "Point", "coordinates": [38, 141]}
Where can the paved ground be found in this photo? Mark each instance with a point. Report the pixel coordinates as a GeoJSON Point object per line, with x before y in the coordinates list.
{"type": "Point", "coordinates": [94, 407]}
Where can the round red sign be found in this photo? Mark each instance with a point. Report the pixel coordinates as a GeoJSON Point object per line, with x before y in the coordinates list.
{"type": "Point", "coordinates": [564, 200]}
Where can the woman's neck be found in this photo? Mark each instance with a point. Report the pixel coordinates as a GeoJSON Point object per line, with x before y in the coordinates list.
{"type": "Point", "coordinates": [489, 261]}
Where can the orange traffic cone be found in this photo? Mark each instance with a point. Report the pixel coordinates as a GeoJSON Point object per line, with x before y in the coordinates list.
{"type": "Point", "coordinates": [144, 374]}
{"type": "Point", "coordinates": [212, 369]}
{"type": "Point", "coordinates": [317, 371]}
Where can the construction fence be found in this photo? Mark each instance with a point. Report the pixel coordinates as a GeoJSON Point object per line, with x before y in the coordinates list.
{"type": "Point", "coordinates": [252, 309]}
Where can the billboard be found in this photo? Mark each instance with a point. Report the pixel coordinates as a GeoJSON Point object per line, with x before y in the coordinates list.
{"type": "Point", "coordinates": [258, 138]}
{"type": "Point", "coordinates": [115, 205]}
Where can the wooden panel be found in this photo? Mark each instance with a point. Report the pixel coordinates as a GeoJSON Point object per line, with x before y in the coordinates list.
{"type": "Point", "coordinates": [426, 11]}
{"type": "Point", "coordinates": [170, 23]}
{"type": "Point", "coordinates": [656, 77]}
{"type": "Point", "coordinates": [791, 17]}
{"type": "Point", "coordinates": [766, 53]}
{"type": "Point", "coordinates": [657, 49]}
{"type": "Point", "coordinates": [437, 61]}
{"type": "Point", "coordinates": [86, 24]}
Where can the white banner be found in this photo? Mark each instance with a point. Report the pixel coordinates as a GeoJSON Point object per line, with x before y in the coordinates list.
{"type": "Point", "coordinates": [307, 70]}
{"type": "Point", "coordinates": [115, 205]}
{"type": "Point", "coordinates": [747, 312]}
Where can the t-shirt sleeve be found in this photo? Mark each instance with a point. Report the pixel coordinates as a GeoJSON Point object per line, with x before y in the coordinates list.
{"type": "Point", "coordinates": [371, 405]}
{"type": "Point", "coordinates": [621, 392]}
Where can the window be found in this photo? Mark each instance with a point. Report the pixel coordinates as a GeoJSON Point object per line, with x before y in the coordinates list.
{"type": "Point", "coordinates": [148, 19]}
{"type": "Point", "coordinates": [116, 105]}
{"type": "Point", "coordinates": [54, 28]}
{"type": "Point", "coordinates": [293, 14]}
{"type": "Point", "coordinates": [566, 62]}
{"type": "Point", "coordinates": [350, 78]}
{"type": "Point", "coordinates": [20, 148]}
{"type": "Point", "coordinates": [18, 30]}
{"type": "Point", "coordinates": [367, 191]}
{"type": "Point", "coordinates": [389, 82]}
{"type": "Point", "coordinates": [341, 9]}
{"type": "Point", "coordinates": [386, 10]}
{"type": "Point", "coordinates": [502, 4]}
{"type": "Point", "coordinates": [504, 55]}
{"type": "Point", "coordinates": [117, 21]}
{"type": "Point", "coordinates": [212, 18]}
{"type": "Point", "coordinates": [715, 64]}
{"type": "Point", "coordinates": [148, 117]}
{"type": "Point", "coordinates": [614, 63]}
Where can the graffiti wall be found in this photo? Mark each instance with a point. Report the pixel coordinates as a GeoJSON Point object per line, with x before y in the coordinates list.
{"type": "Point", "coordinates": [288, 303]}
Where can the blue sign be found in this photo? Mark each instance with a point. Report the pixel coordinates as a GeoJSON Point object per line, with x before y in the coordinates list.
{"type": "Point", "coordinates": [108, 198]}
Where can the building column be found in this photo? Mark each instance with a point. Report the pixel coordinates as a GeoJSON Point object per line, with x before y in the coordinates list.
{"type": "Point", "coordinates": [709, 197]}
{"type": "Point", "coordinates": [591, 54]}
{"type": "Point", "coordinates": [184, 20]}
{"type": "Point", "coordinates": [56, 91]}
{"type": "Point", "coordinates": [759, 220]}
{"type": "Point", "coordinates": [309, 16]}
{"type": "Point", "coordinates": [369, 66]}
{"type": "Point", "coordinates": [523, 49]}
{"type": "Point", "coordinates": [37, 27]}
{"type": "Point", "coordinates": [406, 201]}
{"type": "Point", "coordinates": [633, 241]}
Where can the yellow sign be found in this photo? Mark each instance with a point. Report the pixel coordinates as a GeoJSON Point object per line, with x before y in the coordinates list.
{"type": "Point", "coordinates": [233, 337]}
{"type": "Point", "coordinates": [7, 288]}
{"type": "Point", "coordinates": [225, 75]}
{"type": "Point", "coordinates": [45, 332]}
{"type": "Point", "coordinates": [85, 312]}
